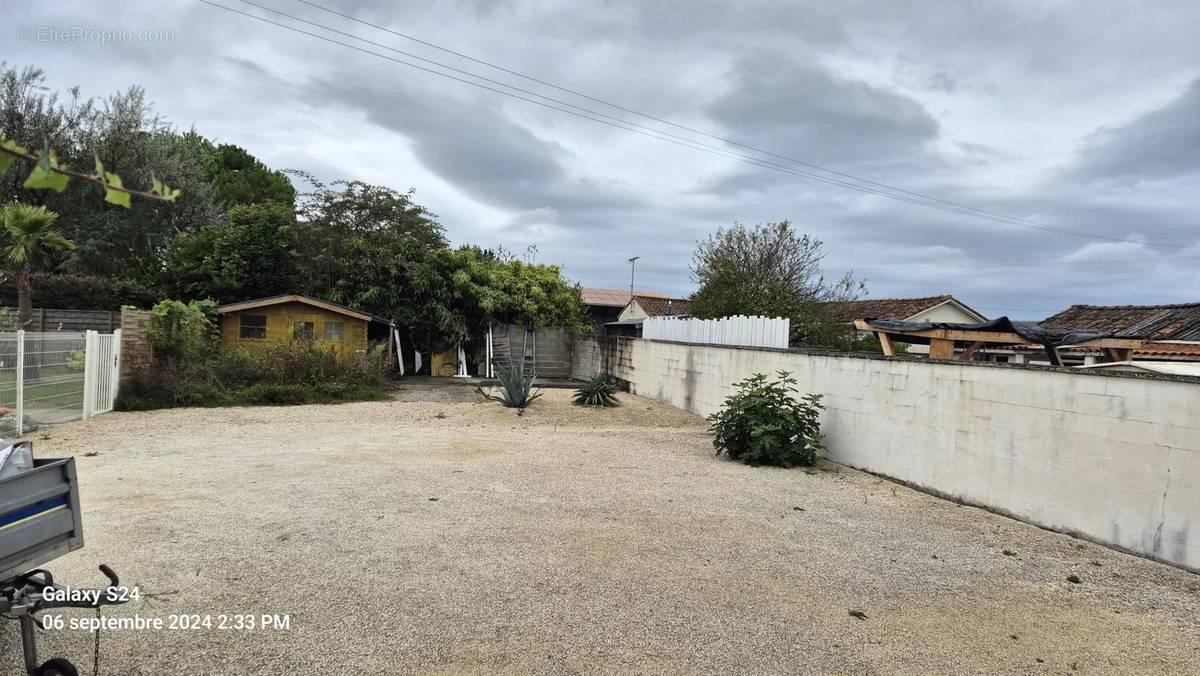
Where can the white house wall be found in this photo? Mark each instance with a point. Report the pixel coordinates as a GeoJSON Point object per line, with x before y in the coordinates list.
{"type": "Point", "coordinates": [946, 312]}
{"type": "Point", "coordinates": [632, 311]}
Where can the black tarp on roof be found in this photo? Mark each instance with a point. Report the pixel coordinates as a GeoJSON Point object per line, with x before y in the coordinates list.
{"type": "Point", "coordinates": [1027, 330]}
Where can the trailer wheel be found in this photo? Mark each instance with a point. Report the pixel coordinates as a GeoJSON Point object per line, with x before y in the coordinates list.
{"type": "Point", "coordinates": [56, 667]}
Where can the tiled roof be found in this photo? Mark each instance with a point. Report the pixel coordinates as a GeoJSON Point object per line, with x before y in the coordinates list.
{"type": "Point", "coordinates": [1148, 349]}
{"type": "Point", "coordinates": [654, 306]}
{"type": "Point", "coordinates": [884, 308]}
{"type": "Point", "coordinates": [1148, 322]}
{"type": "Point", "coordinates": [1161, 349]}
{"type": "Point", "coordinates": [613, 297]}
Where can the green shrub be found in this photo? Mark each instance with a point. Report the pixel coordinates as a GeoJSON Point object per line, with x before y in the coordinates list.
{"type": "Point", "coordinates": [369, 368]}
{"type": "Point", "coordinates": [298, 362]}
{"type": "Point", "coordinates": [765, 423]}
{"type": "Point", "coordinates": [516, 387]}
{"type": "Point", "coordinates": [183, 331]}
{"type": "Point", "coordinates": [297, 372]}
{"type": "Point", "coordinates": [237, 368]}
{"type": "Point", "coordinates": [76, 361]}
{"type": "Point", "coordinates": [254, 395]}
{"type": "Point", "coordinates": [597, 391]}
{"type": "Point", "coordinates": [869, 343]}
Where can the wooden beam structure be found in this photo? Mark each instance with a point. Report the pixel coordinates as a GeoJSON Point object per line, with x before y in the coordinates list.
{"type": "Point", "coordinates": [970, 351]}
{"type": "Point", "coordinates": [885, 341]}
{"type": "Point", "coordinates": [941, 348]}
{"type": "Point", "coordinates": [942, 342]}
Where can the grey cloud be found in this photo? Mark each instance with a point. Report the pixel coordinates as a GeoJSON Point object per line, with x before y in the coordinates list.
{"type": "Point", "coordinates": [474, 145]}
{"type": "Point", "coordinates": [805, 110]}
{"type": "Point", "coordinates": [1161, 144]}
{"type": "Point", "coordinates": [967, 102]}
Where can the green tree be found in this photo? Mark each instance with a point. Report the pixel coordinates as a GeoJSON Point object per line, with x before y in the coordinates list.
{"type": "Point", "coordinates": [135, 143]}
{"type": "Point", "coordinates": [29, 242]}
{"type": "Point", "coordinates": [356, 240]}
{"type": "Point", "coordinates": [455, 294]}
{"type": "Point", "coordinates": [251, 255]}
{"type": "Point", "coordinates": [237, 177]}
{"type": "Point", "coordinates": [773, 271]}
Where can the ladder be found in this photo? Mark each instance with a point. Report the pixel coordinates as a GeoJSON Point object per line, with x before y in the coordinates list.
{"type": "Point", "coordinates": [529, 351]}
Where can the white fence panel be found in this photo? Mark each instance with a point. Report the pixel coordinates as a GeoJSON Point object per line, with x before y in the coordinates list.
{"type": "Point", "coordinates": [737, 330]}
{"type": "Point", "coordinates": [55, 377]}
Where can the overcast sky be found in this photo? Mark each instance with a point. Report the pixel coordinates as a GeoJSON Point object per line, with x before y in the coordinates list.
{"type": "Point", "coordinates": [1082, 116]}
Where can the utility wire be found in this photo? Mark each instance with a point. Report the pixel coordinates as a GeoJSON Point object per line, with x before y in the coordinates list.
{"type": "Point", "coordinates": [620, 124]}
{"type": "Point", "coordinates": [636, 128]}
{"type": "Point", "coordinates": [627, 124]}
{"type": "Point", "coordinates": [723, 139]}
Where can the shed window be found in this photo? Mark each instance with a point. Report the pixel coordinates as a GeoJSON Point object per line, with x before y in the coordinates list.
{"type": "Point", "coordinates": [252, 327]}
{"type": "Point", "coordinates": [304, 330]}
{"type": "Point", "coordinates": [335, 331]}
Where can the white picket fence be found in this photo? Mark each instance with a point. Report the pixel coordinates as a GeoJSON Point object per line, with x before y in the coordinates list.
{"type": "Point", "coordinates": [56, 377]}
{"type": "Point", "coordinates": [736, 330]}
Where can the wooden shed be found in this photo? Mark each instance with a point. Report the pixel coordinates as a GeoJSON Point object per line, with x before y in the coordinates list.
{"type": "Point", "coordinates": [278, 319]}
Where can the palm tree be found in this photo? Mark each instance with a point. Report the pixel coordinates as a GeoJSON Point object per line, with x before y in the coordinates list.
{"type": "Point", "coordinates": [28, 241]}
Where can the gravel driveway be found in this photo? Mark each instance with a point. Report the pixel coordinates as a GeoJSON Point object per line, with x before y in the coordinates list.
{"type": "Point", "coordinates": [456, 537]}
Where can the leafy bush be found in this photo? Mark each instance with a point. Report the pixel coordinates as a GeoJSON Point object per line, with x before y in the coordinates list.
{"type": "Point", "coordinates": [764, 423]}
{"type": "Point", "coordinates": [297, 372]}
{"type": "Point", "coordinates": [262, 394]}
{"type": "Point", "coordinates": [301, 362]}
{"type": "Point", "coordinates": [76, 361]}
{"type": "Point", "coordinates": [181, 330]}
{"type": "Point", "coordinates": [516, 387]}
{"type": "Point", "coordinates": [597, 391]}
{"type": "Point", "coordinates": [869, 343]}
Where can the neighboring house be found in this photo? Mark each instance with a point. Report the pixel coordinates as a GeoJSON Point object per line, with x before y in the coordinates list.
{"type": "Point", "coordinates": [1170, 332]}
{"type": "Point", "coordinates": [641, 307]}
{"type": "Point", "coordinates": [629, 322]}
{"type": "Point", "coordinates": [605, 305]}
{"type": "Point", "coordinates": [944, 308]}
{"type": "Point", "coordinates": [278, 319]}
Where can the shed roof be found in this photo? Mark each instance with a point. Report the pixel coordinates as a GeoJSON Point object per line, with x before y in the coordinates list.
{"type": "Point", "coordinates": [655, 306]}
{"type": "Point", "coordinates": [891, 308]}
{"type": "Point", "coordinates": [1149, 322]}
{"type": "Point", "coordinates": [297, 298]}
{"type": "Point", "coordinates": [612, 297]}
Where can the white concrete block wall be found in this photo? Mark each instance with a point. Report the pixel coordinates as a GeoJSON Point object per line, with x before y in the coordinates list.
{"type": "Point", "coordinates": [1111, 458]}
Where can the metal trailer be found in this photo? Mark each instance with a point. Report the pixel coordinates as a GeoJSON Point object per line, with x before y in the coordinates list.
{"type": "Point", "coordinates": [39, 516]}
{"type": "Point", "coordinates": [39, 522]}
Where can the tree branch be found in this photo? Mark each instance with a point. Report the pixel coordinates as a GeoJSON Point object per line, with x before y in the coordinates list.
{"type": "Point", "coordinates": [90, 178]}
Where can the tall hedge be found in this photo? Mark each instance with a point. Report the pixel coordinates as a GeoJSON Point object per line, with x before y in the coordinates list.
{"type": "Point", "coordinates": [81, 292]}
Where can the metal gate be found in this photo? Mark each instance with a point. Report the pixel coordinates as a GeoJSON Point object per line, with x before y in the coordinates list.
{"type": "Point", "coordinates": [102, 372]}
{"type": "Point", "coordinates": [56, 377]}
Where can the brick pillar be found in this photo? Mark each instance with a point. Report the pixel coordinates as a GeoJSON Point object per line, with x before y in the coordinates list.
{"type": "Point", "coordinates": [136, 353]}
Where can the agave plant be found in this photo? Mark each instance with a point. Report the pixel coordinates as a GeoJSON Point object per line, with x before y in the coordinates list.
{"type": "Point", "coordinates": [516, 387]}
{"type": "Point", "coordinates": [597, 391]}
